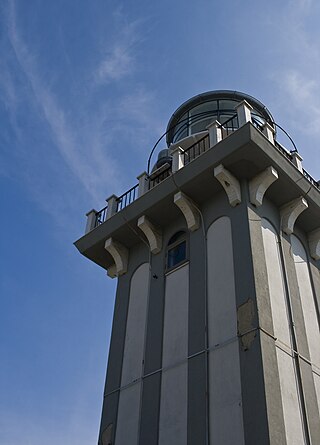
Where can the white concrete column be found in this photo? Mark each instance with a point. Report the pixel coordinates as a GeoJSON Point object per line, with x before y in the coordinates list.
{"type": "Point", "coordinates": [244, 112]}
{"type": "Point", "coordinates": [215, 133]}
{"type": "Point", "coordinates": [91, 220]}
{"type": "Point", "coordinates": [112, 205]}
{"type": "Point", "coordinates": [268, 131]}
{"type": "Point", "coordinates": [314, 244]}
{"type": "Point", "coordinates": [177, 159]}
{"type": "Point", "coordinates": [297, 160]}
{"type": "Point", "coordinates": [143, 179]}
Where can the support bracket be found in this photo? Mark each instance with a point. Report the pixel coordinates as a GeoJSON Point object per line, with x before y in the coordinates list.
{"type": "Point", "coordinates": [189, 210]}
{"type": "Point", "coordinates": [230, 184]}
{"type": "Point", "coordinates": [290, 212]}
{"type": "Point", "coordinates": [112, 272]}
{"type": "Point", "coordinates": [119, 254]}
{"type": "Point", "coordinates": [314, 244]}
{"type": "Point", "coordinates": [152, 233]}
{"type": "Point", "coordinates": [260, 184]}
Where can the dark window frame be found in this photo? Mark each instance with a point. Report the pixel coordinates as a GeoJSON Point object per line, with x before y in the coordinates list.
{"type": "Point", "coordinates": [173, 243]}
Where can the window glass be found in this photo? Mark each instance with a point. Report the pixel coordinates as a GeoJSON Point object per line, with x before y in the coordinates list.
{"type": "Point", "coordinates": [258, 119]}
{"type": "Point", "coordinates": [201, 126]}
{"type": "Point", "coordinates": [228, 105]}
{"type": "Point", "coordinates": [177, 249]}
{"type": "Point", "coordinates": [205, 107]}
{"type": "Point", "coordinates": [181, 129]}
{"type": "Point", "coordinates": [181, 133]}
{"type": "Point", "coordinates": [225, 117]}
{"type": "Point", "coordinates": [177, 254]}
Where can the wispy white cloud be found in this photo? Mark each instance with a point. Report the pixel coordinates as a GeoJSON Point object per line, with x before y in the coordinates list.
{"type": "Point", "coordinates": [80, 145]}
{"type": "Point", "coordinates": [296, 79]}
{"type": "Point", "coordinates": [304, 93]}
{"type": "Point", "coordinates": [117, 64]}
{"type": "Point", "coordinates": [118, 59]}
{"type": "Point", "coordinates": [90, 137]}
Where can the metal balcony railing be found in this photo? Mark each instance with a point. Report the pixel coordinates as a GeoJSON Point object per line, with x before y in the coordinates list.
{"type": "Point", "coordinates": [190, 154]}
{"type": "Point", "coordinates": [127, 198]}
{"type": "Point", "coordinates": [283, 150]}
{"type": "Point", "coordinates": [196, 149]}
{"type": "Point", "coordinates": [229, 126]}
{"type": "Point", "coordinates": [101, 216]}
{"type": "Point", "coordinates": [159, 175]}
{"type": "Point", "coordinates": [311, 179]}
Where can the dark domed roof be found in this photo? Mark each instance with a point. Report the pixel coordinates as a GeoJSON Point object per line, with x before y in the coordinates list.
{"type": "Point", "coordinates": [216, 97]}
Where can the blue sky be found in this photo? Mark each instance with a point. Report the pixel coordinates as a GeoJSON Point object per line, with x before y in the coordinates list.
{"type": "Point", "coordinates": [86, 88]}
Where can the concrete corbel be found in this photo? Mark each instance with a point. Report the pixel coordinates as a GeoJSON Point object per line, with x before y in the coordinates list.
{"type": "Point", "coordinates": [290, 212]}
{"type": "Point", "coordinates": [260, 184]}
{"type": "Point", "coordinates": [152, 233]}
{"type": "Point", "coordinates": [188, 209]}
{"type": "Point", "coordinates": [230, 184]}
{"type": "Point", "coordinates": [112, 272]}
{"type": "Point", "coordinates": [314, 244]}
{"type": "Point", "coordinates": [119, 254]}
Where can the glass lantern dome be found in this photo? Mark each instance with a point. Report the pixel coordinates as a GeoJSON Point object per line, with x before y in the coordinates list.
{"type": "Point", "coordinates": [195, 114]}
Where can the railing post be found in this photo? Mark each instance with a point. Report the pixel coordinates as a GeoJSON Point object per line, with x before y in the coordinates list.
{"type": "Point", "coordinates": [143, 179]}
{"type": "Point", "coordinates": [91, 220]}
{"type": "Point", "coordinates": [297, 160]}
{"type": "Point", "coordinates": [268, 131]}
{"type": "Point", "coordinates": [244, 112]}
{"type": "Point", "coordinates": [215, 133]}
{"type": "Point", "coordinates": [177, 159]}
{"type": "Point", "coordinates": [112, 205]}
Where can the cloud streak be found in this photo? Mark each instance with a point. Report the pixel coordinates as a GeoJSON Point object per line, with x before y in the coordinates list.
{"type": "Point", "coordinates": [89, 169]}
{"type": "Point", "coordinates": [75, 153]}
{"type": "Point", "coordinates": [118, 60]}
{"type": "Point", "coordinates": [297, 84]}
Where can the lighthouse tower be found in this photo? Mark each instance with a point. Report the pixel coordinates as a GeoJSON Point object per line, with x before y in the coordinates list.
{"type": "Point", "coordinates": [216, 249]}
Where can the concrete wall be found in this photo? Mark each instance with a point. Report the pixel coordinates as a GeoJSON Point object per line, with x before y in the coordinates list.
{"type": "Point", "coordinates": [132, 368]}
{"type": "Point", "coordinates": [225, 401]}
{"type": "Point", "coordinates": [171, 397]}
{"type": "Point", "coordinates": [309, 308]}
{"type": "Point", "coordinates": [288, 383]}
{"type": "Point", "coordinates": [173, 404]}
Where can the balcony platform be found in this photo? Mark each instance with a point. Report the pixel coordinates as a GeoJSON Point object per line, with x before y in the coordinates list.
{"type": "Point", "coordinates": [245, 153]}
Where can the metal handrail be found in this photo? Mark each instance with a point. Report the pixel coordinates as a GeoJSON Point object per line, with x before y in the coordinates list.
{"type": "Point", "coordinates": [283, 150]}
{"type": "Point", "coordinates": [127, 198]}
{"type": "Point", "coordinates": [229, 126]}
{"type": "Point", "coordinates": [158, 176]}
{"type": "Point", "coordinates": [196, 149]}
{"type": "Point", "coordinates": [190, 154]}
{"type": "Point", "coordinates": [311, 179]}
{"type": "Point", "coordinates": [101, 216]}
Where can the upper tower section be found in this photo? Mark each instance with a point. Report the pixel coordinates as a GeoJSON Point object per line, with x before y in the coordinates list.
{"type": "Point", "coordinates": [216, 139]}
{"type": "Point", "coordinates": [194, 115]}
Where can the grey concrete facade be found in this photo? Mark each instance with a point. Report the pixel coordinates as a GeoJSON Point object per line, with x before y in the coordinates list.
{"type": "Point", "coordinates": [228, 343]}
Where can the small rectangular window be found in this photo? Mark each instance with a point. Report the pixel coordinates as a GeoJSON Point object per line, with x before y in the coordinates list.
{"type": "Point", "coordinates": [177, 254]}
